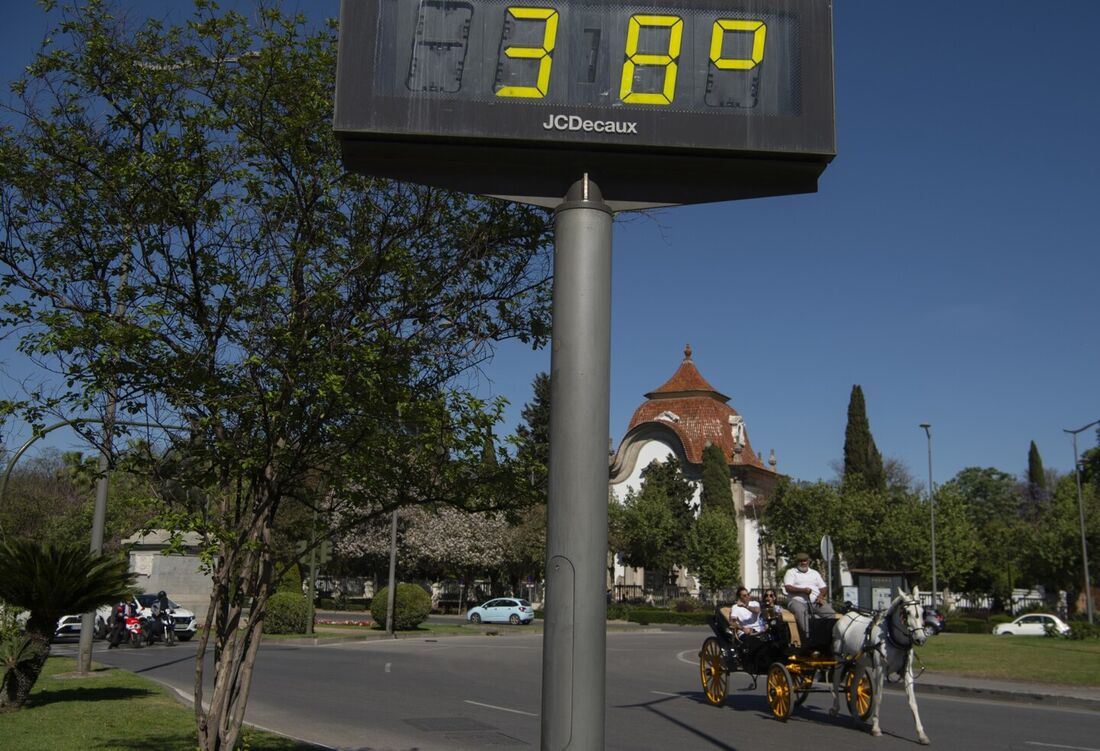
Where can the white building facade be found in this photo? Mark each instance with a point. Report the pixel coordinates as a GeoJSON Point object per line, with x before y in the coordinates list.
{"type": "Point", "coordinates": [682, 418]}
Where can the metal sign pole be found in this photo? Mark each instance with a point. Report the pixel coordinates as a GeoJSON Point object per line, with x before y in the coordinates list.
{"type": "Point", "coordinates": [574, 641]}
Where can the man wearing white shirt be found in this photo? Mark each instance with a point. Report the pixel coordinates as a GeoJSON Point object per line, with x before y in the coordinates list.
{"type": "Point", "coordinates": [806, 593]}
{"type": "Point", "coordinates": [745, 614]}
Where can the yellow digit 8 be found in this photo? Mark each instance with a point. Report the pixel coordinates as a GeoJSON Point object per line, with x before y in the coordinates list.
{"type": "Point", "coordinates": [542, 54]}
{"type": "Point", "coordinates": [759, 31]}
{"type": "Point", "coordinates": [675, 25]}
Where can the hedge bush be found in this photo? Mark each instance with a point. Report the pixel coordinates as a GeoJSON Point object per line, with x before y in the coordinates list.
{"type": "Point", "coordinates": [411, 605]}
{"type": "Point", "coordinates": [1083, 630]}
{"type": "Point", "coordinates": [689, 605]}
{"type": "Point", "coordinates": [287, 613]}
{"type": "Point", "coordinates": [644, 615]}
{"type": "Point", "coordinates": [961, 625]}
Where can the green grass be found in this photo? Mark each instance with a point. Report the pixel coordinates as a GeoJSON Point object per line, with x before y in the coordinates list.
{"type": "Point", "coordinates": [110, 709]}
{"type": "Point", "coordinates": [1042, 659]}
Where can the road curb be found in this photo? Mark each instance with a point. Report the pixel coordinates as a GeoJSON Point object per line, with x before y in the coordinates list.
{"type": "Point", "coordinates": [1022, 696]}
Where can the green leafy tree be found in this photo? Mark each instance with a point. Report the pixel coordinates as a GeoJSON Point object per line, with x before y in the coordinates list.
{"type": "Point", "coordinates": [1090, 465]}
{"type": "Point", "coordinates": [50, 498]}
{"type": "Point", "coordinates": [712, 552]}
{"type": "Point", "coordinates": [179, 232]}
{"type": "Point", "coordinates": [657, 520]}
{"type": "Point", "coordinates": [799, 514]}
{"type": "Point", "coordinates": [994, 507]}
{"type": "Point", "coordinates": [1056, 554]}
{"type": "Point", "coordinates": [861, 456]}
{"type": "Point", "coordinates": [50, 581]}
{"type": "Point", "coordinates": [880, 529]}
{"type": "Point", "coordinates": [716, 492]}
{"type": "Point", "coordinates": [958, 546]}
{"type": "Point", "coordinates": [870, 528]}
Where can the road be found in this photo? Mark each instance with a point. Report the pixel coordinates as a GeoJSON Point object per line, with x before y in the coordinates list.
{"type": "Point", "coordinates": [483, 691]}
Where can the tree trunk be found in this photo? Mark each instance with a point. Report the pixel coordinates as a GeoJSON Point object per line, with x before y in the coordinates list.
{"type": "Point", "coordinates": [243, 578]}
{"type": "Point", "coordinates": [16, 685]}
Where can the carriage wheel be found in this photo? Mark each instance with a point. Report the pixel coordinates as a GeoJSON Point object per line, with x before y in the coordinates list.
{"type": "Point", "coordinates": [712, 672]}
{"type": "Point", "coordinates": [859, 691]}
{"type": "Point", "coordinates": [780, 691]}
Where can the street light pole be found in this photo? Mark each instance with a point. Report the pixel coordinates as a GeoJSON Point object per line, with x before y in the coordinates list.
{"type": "Point", "coordinates": [1081, 511]}
{"type": "Point", "coordinates": [932, 505]}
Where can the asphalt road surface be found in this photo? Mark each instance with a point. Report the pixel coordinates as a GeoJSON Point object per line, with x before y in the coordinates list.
{"type": "Point", "coordinates": [484, 692]}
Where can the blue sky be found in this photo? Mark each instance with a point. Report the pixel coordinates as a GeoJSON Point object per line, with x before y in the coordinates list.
{"type": "Point", "coordinates": [948, 263]}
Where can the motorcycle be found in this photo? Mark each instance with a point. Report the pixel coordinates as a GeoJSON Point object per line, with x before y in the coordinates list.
{"type": "Point", "coordinates": [160, 627]}
{"type": "Point", "coordinates": [132, 632]}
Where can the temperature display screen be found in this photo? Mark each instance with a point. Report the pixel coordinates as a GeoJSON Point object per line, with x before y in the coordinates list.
{"type": "Point", "coordinates": [698, 78]}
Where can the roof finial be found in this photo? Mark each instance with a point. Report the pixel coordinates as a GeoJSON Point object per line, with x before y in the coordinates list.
{"type": "Point", "coordinates": [687, 352]}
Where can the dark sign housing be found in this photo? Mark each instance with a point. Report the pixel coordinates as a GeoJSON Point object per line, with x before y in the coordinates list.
{"type": "Point", "coordinates": [668, 102]}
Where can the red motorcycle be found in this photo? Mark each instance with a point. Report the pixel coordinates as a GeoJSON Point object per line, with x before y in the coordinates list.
{"type": "Point", "coordinates": [128, 630]}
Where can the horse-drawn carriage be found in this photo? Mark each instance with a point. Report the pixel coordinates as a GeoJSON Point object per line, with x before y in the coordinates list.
{"type": "Point", "coordinates": [851, 653]}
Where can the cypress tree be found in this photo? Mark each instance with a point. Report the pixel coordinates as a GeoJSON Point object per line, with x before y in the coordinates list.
{"type": "Point", "coordinates": [1036, 477]}
{"type": "Point", "coordinates": [861, 456]}
{"type": "Point", "coordinates": [716, 493]}
{"type": "Point", "coordinates": [533, 438]}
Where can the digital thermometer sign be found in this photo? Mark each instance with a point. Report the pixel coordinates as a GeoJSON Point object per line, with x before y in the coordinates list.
{"type": "Point", "coordinates": [667, 102]}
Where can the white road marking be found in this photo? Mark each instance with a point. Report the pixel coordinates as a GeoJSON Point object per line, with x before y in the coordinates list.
{"type": "Point", "coordinates": [690, 656]}
{"type": "Point", "coordinates": [1059, 745]}
{"type": "Point", "coordinates": [502, 709]}
{"type": "Point", "coordinates": [388, 666]}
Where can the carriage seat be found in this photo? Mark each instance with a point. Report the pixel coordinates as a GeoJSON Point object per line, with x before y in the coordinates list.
{"type": "Point", "coordinates": [792, 627]}
{"type": "Point", "coordinates": [821, 629]}
{"type": "Point", "coordinates": [724, 621]}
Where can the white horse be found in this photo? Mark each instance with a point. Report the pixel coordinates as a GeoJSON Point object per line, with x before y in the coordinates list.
{"type": "Point", "coordinates": [888, 640]}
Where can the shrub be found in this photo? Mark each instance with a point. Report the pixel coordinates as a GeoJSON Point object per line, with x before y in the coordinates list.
{"type": "Point", "coordinates": [618, 611]}
{"type": "Point", "coordinates": [970, 625]}
{"type": "Point", "coordinates": [291, 581]}
{"type": "Point", "coordinates": [1083, 630]}
{"type": "Point", "coordinates": [688, 605]}
{"type": "Point", "coordinates": [411, 605]}
{"type": "Point", "coordinates": [287, 613]}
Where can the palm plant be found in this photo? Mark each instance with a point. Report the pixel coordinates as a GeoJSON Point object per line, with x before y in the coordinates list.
{"type": "Point", "coordinates": [49, 581]}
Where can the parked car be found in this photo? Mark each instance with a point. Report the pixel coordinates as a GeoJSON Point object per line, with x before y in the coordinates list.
{"type": "Point", "coordinates": [69, 625]}
{"type": "Point", "coordinates": [502, 610]}
{"type": "Point", "coordinates": [1032, 624]}
{"type": "Point", "coordinates": [184, 619]}
{"type": "Point", "coordinates": [934, 622]}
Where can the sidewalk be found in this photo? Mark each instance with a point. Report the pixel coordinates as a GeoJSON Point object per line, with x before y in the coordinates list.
{"type": "Point", "coordinates": [1083, 697]}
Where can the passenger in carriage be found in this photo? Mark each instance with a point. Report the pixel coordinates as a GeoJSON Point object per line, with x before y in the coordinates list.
{"type": "Point", "coordinates": [806, 594]}
{"type": "Point", "coordinates": [745, 616]}
{"type": "Point", "coordinates": [772, 611]}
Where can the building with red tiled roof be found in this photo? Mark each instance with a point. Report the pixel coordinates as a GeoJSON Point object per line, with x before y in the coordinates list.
{"type": "Point", "coordinates": [681, 418]}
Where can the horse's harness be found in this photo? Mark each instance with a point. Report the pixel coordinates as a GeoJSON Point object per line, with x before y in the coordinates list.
{"type": "Point", "coordinates": [901, 639]}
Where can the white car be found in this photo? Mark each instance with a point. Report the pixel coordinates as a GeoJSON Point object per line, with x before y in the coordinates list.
{"type": "Point", "coordinates": [69, 625]}
{"type": "Point", "coordinates": [1032, 624]}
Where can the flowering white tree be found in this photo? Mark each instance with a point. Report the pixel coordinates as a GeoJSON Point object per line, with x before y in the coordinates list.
{"type": "Point", "coordinates": [442, 539]}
